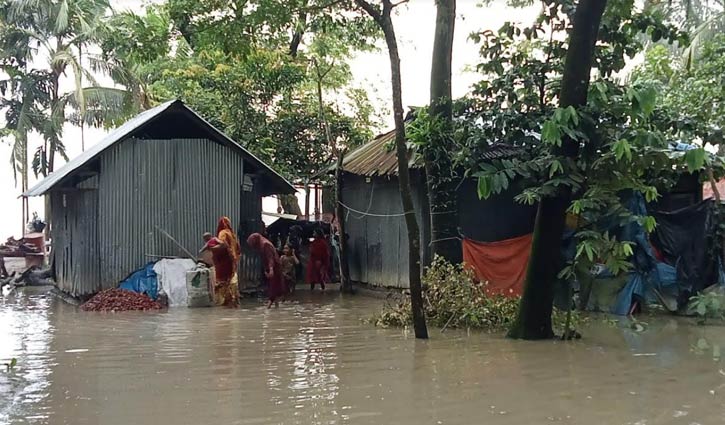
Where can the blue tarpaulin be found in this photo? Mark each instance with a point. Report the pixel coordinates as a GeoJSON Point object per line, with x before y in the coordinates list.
{"type": "Point", "coordinates": [142, 281]}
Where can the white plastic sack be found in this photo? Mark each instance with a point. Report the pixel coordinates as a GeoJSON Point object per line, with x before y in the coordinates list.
{"type": "Point", "coordinates": [172, 279]}
{"type": "Point", "coordinates": [198, 287]}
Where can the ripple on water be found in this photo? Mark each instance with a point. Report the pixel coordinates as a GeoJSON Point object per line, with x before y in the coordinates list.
{"type": "Point", "coordinates": [314, 362]}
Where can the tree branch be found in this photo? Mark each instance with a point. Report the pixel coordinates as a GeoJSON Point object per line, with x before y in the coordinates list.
{"type": "Point", "coordinates": [371, 10]}
{"type": "Point", "coordinates": [320, 7]}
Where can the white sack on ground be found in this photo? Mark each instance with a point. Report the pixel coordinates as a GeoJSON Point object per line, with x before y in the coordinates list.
{"type": "Point", "coordinates": [172, 279]}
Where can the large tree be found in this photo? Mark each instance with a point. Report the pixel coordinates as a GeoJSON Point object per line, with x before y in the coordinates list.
{"type": "Point", "coordinates": [62, 31]}
{"type": "Point", "coordinates": [250, 84]}
{"type": "Point", "coordinates": [436, 144]}
{"type": "Point", "coordinates": [381, 14]}
{"type": "Point", "coordinates": [534, 317]}
{"type": "Point", "coordinates": [582, 146]}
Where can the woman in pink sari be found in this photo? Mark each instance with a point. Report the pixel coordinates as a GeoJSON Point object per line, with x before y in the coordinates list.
{"type": "Point", "coordinates": [272, 267]}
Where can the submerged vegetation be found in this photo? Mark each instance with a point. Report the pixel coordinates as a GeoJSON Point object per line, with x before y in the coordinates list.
{"type": "Point", "coordinates": [453, 298]}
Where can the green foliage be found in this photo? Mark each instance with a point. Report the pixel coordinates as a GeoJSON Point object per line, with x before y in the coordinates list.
{"type": "Point", "coordinates": [695, 94]}
{"type": "Point", "coordinates": [708, 305]}
{"type": "Point", "coordinates": [253, 71]}
{"type": "Point", "coordinates": [65, 32]}
{"type": "Point", "coordinates": [622, 135]}
{"type": "Point", "coordinates": [454, 299]}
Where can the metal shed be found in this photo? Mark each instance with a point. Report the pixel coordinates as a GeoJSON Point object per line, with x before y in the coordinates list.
{"type": "Point", "coordinates": [165, 168]}
{"type": "Point", "coordinates": [378, 241]}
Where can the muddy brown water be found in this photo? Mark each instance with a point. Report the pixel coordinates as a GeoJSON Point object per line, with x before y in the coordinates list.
{"type": "Point", "coordinates": [313, 362]}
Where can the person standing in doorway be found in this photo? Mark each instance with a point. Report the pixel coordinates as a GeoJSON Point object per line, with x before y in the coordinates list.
{"type": "Point", "coordinates": [318, 265]}
{"type": "Point", "coordinates": [271, 265]}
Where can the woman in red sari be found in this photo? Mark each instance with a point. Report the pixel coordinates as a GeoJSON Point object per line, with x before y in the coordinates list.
{"type": "Point", "coordinates": [225, 254]}
{"type": "Point", "coordinates": [318, 265]}
{"type": "Point", "coordinates": [272, 267]}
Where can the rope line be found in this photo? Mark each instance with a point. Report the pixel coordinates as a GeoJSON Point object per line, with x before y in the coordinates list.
{"type": "Point", "coordinates": [363, 213]}
{"type": "Point", "coordinates": [444, 239]}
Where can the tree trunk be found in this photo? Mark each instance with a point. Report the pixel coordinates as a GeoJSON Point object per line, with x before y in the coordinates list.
{"type": "Point", "coordinates": [299, 32]}
{"type": "Point", "coordinates": [438, 166]}
{"type": "Point", "coordinates": [383, 19]}
{"type": "Point", "coordinates": [534, 317]}
{"type": "Point", "coordinates": [345, 282]}
{"type": "Point", "coordinates": [307, 200]}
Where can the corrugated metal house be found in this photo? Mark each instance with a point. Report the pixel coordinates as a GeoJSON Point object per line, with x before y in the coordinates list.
{"type": "Point", "coordinates": [166, 168]}
{"type": "Point", "coordinates": [378, 244]}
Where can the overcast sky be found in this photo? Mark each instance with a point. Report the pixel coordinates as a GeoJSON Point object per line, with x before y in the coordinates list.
{"type": "Point", "coordinates": [414, 25]}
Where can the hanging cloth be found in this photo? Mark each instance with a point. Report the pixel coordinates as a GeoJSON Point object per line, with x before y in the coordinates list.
{"type": "Point", "coordinates": [502, 264]}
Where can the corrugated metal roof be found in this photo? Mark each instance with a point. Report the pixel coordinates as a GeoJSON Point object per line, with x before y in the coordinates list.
{"type": "Point", "coordinates": [134, 124]}
{"type": "Point", "coordinates": [378, 157]}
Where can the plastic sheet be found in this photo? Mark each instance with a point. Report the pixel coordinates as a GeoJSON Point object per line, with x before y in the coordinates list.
{"type": "Point", "coordinates": [172, 279]}
{"type": "Point", "coordinates": [142, 281]}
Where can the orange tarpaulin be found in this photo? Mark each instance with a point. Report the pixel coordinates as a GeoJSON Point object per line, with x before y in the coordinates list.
{"type": "Point", "coordinates": [502, 264]}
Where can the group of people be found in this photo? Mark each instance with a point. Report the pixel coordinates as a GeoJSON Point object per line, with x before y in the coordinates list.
{"type": "Point", "coordinates": [279, 269]}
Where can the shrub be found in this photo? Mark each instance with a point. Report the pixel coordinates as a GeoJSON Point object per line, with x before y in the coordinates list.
{"type": "Point", "coordinates": [454, 299]}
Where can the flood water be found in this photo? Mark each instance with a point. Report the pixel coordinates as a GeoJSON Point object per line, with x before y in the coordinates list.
{"type": "Point", "coordinates": [313, 362]}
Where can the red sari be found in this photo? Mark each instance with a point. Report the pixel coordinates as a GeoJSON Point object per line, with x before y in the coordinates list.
{"type": "Point", "coordinates": [271, 264]}
{"type": "Point", "coordinates": [318, 265]}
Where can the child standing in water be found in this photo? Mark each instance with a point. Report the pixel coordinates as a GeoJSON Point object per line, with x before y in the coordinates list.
{"type": "Point", "coordinates": [288, 262]}
{"type": "Point", "coordinates": [319, 264]}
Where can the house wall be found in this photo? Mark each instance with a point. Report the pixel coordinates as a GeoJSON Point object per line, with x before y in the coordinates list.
{"type": "Point", "coordinates": [497, 218]}
{"type": "Point", "coordinates": [182, 186]}
{"type": "Point", "coordinates": [378, 240]}
{"type": "Point", "coordinates": [75, 238]}
{"type": "Point", "coordinates": [377, 246]}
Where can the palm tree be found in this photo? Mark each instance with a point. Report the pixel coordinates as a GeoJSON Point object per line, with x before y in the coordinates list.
{"type": "Point", "coordinates": [42, 42]}
{"type": "Point", "coordinates": [702, 19]}
{"type": "Point", "coordinates": [64, 31]}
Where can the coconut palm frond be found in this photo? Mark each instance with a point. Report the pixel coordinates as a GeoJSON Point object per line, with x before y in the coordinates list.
{"type": "Point", "coordinates": [62, 17]}
{"type": "Point", "coordinates": [20, 8]}
{"type": "Point", "coordinates": [704, 32]}
{"type": "Point", "coordinates": [104, 106]}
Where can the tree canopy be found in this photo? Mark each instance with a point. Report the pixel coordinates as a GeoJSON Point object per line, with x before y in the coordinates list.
{"type": "Point", "coordinates": [252, 70]}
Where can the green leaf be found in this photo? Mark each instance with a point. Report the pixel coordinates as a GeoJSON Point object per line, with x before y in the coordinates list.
{"type": "Point", "coordinates": [695, 159]}
{"type": "Point", "coordinates": [650, 224]}
{"type": "Point", "coordinates": [602, 89]}
{"type": "Point", "coordinates": [627, 250]}
{"type": "Point", "coordinates": [576, 207]}
{"type": "Point", "coordinates": [484, 187]}
{"type": "Point", "coordinates": [651, 194]}
{"type": "Point", "coordinates": [701, 309]}
{"type": "Point", "coordinates": [573, 115]}
{"type": "Point", "coordinates": [647, 100]}
{"type": "Point", "coordinates": [555, 167]}
{"type": "Point", "coordinates": [550, 133]}
{"type": "Point", "coordinates": [504, 181]}
{"type": "Point", "coordinates": [715, 303]}
{"type": "Point", "coordinates": [589, 251]}
{"type": "Point", "coordinates": [622, 149]}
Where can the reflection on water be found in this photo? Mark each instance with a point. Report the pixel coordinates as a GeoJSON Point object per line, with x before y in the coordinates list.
{"type": "Point", "coordinates": [314, 362]}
